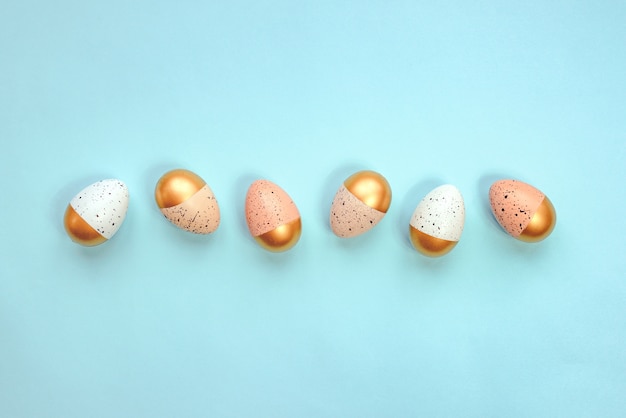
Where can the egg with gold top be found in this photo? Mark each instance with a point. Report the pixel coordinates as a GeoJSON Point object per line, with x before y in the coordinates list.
{"type": "Point", "coordinates": [522, 210]}
{"type": "Point", "coordinates": [97, 212]}
{"type": "Point", "coordinates": [272, 217]}
{"type": "Point", "coordinates": [437, 222]}
{"type": "Point", "coordinates": [187, 201]}
{"type": "Point", "coordinates": [360, 204]}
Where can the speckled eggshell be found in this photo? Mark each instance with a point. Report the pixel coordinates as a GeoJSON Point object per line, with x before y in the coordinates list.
{"type": "Point", "coordinates": [268, 207]}
{"type": "Point", "coordinates": [350, 217]}
{"type": "Point", "coordinates": [441, 214]}
{"type": "Point", "coordinates": [103, 206]}
{"type": "Point", "coordinates": [513, 204]}
{"type": "Point", "coordinates": [199, 214]}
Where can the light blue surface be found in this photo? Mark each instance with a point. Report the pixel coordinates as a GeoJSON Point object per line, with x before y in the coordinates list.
{"type": "Point", "coordinates": [160, 323]}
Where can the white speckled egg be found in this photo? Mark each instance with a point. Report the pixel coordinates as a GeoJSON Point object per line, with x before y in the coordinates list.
{"type": "Point", "coordinates": [96, 213]}
{"type": "Point", "coordinates": [437, 222]}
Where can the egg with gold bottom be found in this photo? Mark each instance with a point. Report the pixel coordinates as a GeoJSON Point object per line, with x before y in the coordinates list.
{"type": "Point", "coordinates": [187, 201]}
{"type": "Point", "coordinates": [97, 212]}
{"type": "Point", "coordinates": [522, 210]}
{"type": "Point", "coordinates": [360, 204]}
{"type": "Point", "coordinates": [272, 217]}
{"type": "Point", "coordinates": [437, 223]}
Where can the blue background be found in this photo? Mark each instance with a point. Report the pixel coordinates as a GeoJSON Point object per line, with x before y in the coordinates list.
{"type": "Point", "coordinates": [161, 323]}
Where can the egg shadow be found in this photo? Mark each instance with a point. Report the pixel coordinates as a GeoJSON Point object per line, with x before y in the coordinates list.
{"type": "Point", "coordinates": [408, 204]}
{"type": "Point", "coordinates": [433, 268]}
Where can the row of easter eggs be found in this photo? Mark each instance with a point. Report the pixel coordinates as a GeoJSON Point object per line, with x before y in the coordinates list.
{"type": "Point", "coordinates": [95, 214]}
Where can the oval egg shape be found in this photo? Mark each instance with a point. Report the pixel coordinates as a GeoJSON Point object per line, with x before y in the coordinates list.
{"type": "Point", "coordinates": [187, 201]}
{"type": "Point", "coordinates": [437, 222]}
{"type": "Point", "coordinates": [522, 210]}
{"type": "Point", "coordinates": [272, 216]}
{"type": "Point", "coordinates": [360, 203]}
{"type": "Point", "coordinates": [97, 212]}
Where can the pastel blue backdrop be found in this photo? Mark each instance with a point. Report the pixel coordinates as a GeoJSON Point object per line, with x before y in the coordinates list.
{"type": "Point", "coordinates": [160, 323]}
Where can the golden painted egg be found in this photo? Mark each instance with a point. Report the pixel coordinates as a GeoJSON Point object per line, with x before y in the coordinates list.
{"type": "Point", "coordinates": [437, 222]}
{"type": "Point", "coordinates": [97, 212]}
{"type": "Point", "coordinates": [360, 203]}
{"type": "Point", "coordinates": [523, 211]}
{"type": "Point", "coordinates": [187, 201]}
{"type": "Point", "coordinates": [272, 216]}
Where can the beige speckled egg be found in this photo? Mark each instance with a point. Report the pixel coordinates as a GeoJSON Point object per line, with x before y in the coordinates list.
{"type": "Point", "coordinates": [360, 203]}
{"type": "Point", "coordinates": [187, 201]}
{"type": "Point", "coordinates": [272, 216]}
{"type": "Point", "coordinates": [96, 213]}
{"type": "Point", "coordinates": [523, 211]}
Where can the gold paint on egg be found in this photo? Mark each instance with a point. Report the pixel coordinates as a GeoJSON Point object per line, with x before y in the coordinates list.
{"type": "Point", "coordinates": [370, 188]}
{"type": "Point", "coordinates": [79, 230]}
{"type": "Point", "coordinates": [541, 224]}
{"type": "Point", "coordinates": [176, 186]}
{"type": "Point", "coordinates": [281, 238]}
{"type": "Point", "coordinates": [429, 245]}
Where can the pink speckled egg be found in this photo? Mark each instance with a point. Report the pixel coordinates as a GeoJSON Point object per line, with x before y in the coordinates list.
{"type": "Point", "coordinates": [272, 216]}
{"type": "Point", "coordinates": [523, 211]}
{"type": "Point", "coordinates": [360, 203]}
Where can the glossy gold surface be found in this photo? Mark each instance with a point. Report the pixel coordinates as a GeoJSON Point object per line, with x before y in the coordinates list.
{"type": "Point", "coordinates": [176, 186]}
{"type": "Point", "coordinates": [428, 245]}
{"type": "Point", "coordinates": [370, 188]}
{"type": "Point", "coordinates": [282, 238]}
{"type": "Point", "coordinates": [79, 230]}
{"type": "Point", "coordinates": [541, 224]}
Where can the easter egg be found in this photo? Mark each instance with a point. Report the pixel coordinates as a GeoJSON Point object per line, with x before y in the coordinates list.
{"type": "Point", "coordinates": [360, 203]}
{"type": "Point", "coordinates": [523, 211]}
{"type": "Point", "coordinates": [437, 222]}
{"type": "Point", "coordinates": [272, 216]}
{"type": "Point", "coordinates": [96, 213]}
{"type": "Point", "coordinates": [187, 201]}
